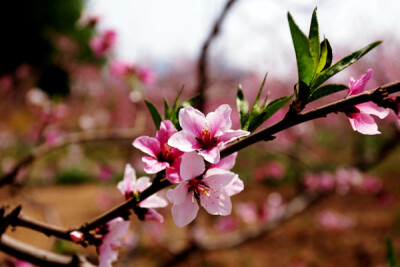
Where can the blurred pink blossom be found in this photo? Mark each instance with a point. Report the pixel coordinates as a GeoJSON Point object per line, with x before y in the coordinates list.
{"type": "Point", "coordinates": [226, 224]}
{"type": "Point", "coordinates": [121, 69]}
{"type": "Point", "coordinates": [101, 44]}
{"type": "Point", "coordinates": [247, 212]}
{"type": "Point", "coordinates": [106, 173]}
{"type": "Point", "coordinates": [273, 207]}
{"type": "Point", "coordinates": [274, 170]}
{"type": "Point", "coordinates": [334, 221]}
{"type": "Point", "coordinates": [147, 76]}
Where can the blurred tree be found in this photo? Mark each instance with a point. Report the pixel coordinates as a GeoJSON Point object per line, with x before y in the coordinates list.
{"type": "Point", "coordinates": [30, 30]}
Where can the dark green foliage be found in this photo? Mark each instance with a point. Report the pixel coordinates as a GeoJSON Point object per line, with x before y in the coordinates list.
{"type": "Point", "coordinates": [73, 176]}
{"type": "Point", "coordinates": [390, 254]}
{"type": "Point", "coordinates": [259, 113]}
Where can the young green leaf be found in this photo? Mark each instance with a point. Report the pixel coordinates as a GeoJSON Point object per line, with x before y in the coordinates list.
{"type": "Point", "coordinates": [314, 39]}
{"type": "Point", "coordinates": [242, 106]}
{"type": "Point", "coordinates": [189, 102]}
{"type": "Point", "coordinates": [390, 255]}
{"type": "Point", "coordinates": [326, 90]}
{"type": "Point", "coordinates": [167, 110]}
{"type": "Point", "coordinates": [154, 114]}
{"type": "Point", "coordinates": [177, 98]}
{"type": "Point", "coordinates": [341, 65]}
{"type": "Point", "coordinates": [305, 62]}
{"type": "Point", "coordinates": [269, 110]}
{"type": "Point", "coordinates": [323, 57]}
{"type": "Point", "coordinates": [256, 105]}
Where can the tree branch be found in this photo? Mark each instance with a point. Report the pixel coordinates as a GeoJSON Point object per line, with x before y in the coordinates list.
{"type": "Point", "coordinates": [202, 65]}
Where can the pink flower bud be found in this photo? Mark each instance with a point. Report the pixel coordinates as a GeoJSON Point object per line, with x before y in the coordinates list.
{"type": "Point", "coordinates": [153, 215]}
{"type": "Point", "coordinates": [76, 236]}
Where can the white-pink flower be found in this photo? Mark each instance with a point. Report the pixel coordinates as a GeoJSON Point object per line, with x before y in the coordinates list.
{"type": "Point", "coordinates": [207, 189]}
{"type": "Point", "coordinates": [111, 241]}
{"type": "Point", "coordinates": [130, 186]}
{"type": "Point", "coordinates": [101, 44]}
{"type": "Point", "coordinates": [163, 156]}
{"type": "Point", "coordinates": [205, 134]}
{"type": "Point", "coordinates": [360, 115]}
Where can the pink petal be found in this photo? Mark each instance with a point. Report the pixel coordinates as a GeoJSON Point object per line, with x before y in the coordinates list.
{"type": "Point", "coordinates": [192, 166]}
{"type": "Point", "coordinates": [357, 86]}
{"type": "Point", "coordinates": [236, 186]}
{"type": "Point", "coordinates": [218, 178]}
{"type": "Point", "coordinates": [153, 215]}
{"type": "Point", "coordinates": [226, 163]}
{"type": "Point", "coordinates": [365, 124]}
{"type": "Point", "coordinates": [177, 195]}
{"type": "Point", "coordinates": [219, 120]}
{"type": "Point", "coordinates": [173, 175]}
{"type": "Point", "coordinates": [153, 201]}
{"type": "Point", "coordinates": [142, 183]}
{"type": "Point", "coordinates": [232, 135]}
{"type": "Point", "coordinates": [148, 145]}
{"type": "Point", "coordinates": [373, 109]}
{"type": "Point", "coordinates": [117, 228]}
{"type": "Point", "coordinates": [128, 184]}
{"type": "Point", "coordinates": [217, 203]}
{"type": "Point", "coordinates": [167, 129]}
{"type": "Point", "coordinates": [184, 141]}
{"type": "Point", "coordinates": [184, 212]}
{"type": "Point", "coordinates": [152, 165]}
{"type": "Point", "coordinates": [191, 120]}
{"type": "Point", "coordinates": [211, 155]}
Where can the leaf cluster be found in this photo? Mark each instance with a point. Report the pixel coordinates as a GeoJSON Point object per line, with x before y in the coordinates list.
{"type": "Point", "coordinates": [170, 112]}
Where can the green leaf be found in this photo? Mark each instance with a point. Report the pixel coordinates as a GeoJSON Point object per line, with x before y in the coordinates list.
{"type": "Point", "coordinates": [342, 64]}
{"type": "Point", "coordinates": [256, 105]}
{"type": "Point", "coordinates": [314, 39]}
{"type": "Point", "coordinates": [270, 110]}
{"type": "Point", "coordinates": [190, 102]}
{"type": "Point", "coordinates": [326, 90]}
{"type": "Point", "coordinates": [324, 56]}
{"type": "Point", "coordinates": [154, 114]}
{"type": "Point", "coordinates": [177, 98]}
{"type": "Point", "coordinates": [167, 110]}
{"type": "Point", "coordinates": [390, 255]}
{"type": "Point", "coordinates": [243, 107]}
{"type": "Point", "coordinates": [330, 55]}
{"type": "Point", "coordinates": [305, 62]}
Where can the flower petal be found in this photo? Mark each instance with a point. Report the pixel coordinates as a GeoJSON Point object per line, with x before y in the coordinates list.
{"type": "Point", "coordinates": [236, 186]}
{"type": "Point", "coordinates": [373, 109]}
{"type": "Point", "coordinates": [152, 165]}
{"type": "Point", "coordinates": [232, 135]}
{"type": "Point", "coordinates": [226, 163]}
{"type": "Point", "coordinates": [191, 120]}
{"type": "Point", "coordinates": [186, 211]}
{"type": "Point", "coordinates": [365, 124]}
{"type": "Point", "coordinates": [142, 184]}
{"type": "Point", "coordinates": [219, 120]}
{"type": "Point", "coordinates": [217, 202]}
{"type": "Point", "coordinates": [184, 141]}
{"type": "Point", "coordinates": [148, 145]}
{"type": "Point", "coordinates": [192, 166]}
{"type": "Point", "coordinates": [167, 129]}
{"type": "Point", "coordinates": [211, 155]}
{"type": "Point", "coordinates": [128, 184]}
{"type": "Point", "coordinates": [177, 195]}
{"type": "Point", "coordinates": [357, 86]}
{"type": "Point", "coordinates": [218, 178]}
{"type": "Point", "coordinates": [153, 201]}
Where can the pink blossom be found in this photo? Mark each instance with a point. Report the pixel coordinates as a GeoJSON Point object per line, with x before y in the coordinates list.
{"type": "Point", "coordinates": [147, 76]}
{"type": "Point", "coordinates": [334, 221]}
{"type": "Point", "coordinates": [247, 211]}
{"type": "Point", "coordinates": [129, 187]}
{"type": "Point", "coordinates": [111, 241]}
{"type": "Point", "coordinates": [209, 189]}
{"type": "Point", "coordinates": [226, 224]}
{"type": "Point", "coordinates": [371, 185]}
{"type": "Point", "coordinates": [274, 170]}
{"type": "Point", "coordinates": [101, 44]}
{"type": "Point", "coordinates": [323, 182]}
{"type": "Point", "coordinates": [121, 69]}
{"type": "Point", "coordinates": [76, 236]}
{"type": "Point", "coordinates": [163, 156]}
{"type": "Point", "coordinates": [205, 134]}
{"type": "Point", "coordinates": [360, 115]}
{"type": "Point", "coordinates": [273, 207]}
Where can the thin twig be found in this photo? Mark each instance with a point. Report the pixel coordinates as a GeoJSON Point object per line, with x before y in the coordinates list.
{"type": "Point", "coordinates": [67, 139]}
{"type": "Point", "coordinates": [202, 65]}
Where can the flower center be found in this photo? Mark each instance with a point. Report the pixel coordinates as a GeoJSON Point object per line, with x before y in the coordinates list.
{"type": "Point", "coordinates": [166, 154]}
{"type": "Point", "coordinates": [199, 188]}
{"type": "Point", "coordinates": [206, 140]}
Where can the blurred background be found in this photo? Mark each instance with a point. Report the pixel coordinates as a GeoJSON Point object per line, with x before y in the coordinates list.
{"type": "Point", "coordinates": [73, 77]}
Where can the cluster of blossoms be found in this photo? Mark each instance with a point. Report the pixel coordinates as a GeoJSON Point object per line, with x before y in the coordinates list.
{"type": "Point", "coordinates": [101, 44]}
{"type": "Point", "coordinates": [342, 181]}
{"type": "Point", "coordinates": [332, 220]}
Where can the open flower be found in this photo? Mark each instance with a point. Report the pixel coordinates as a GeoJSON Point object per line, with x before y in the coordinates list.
{"type": "Point", "coordinates": [101, 44]}
{"type": "Point", "coordinates": [360, 115]}
{"type": "Point", "coordinates": [163, 156]}
{"type": "Point", "coordinates": [205, 134]}
{"type": "Point", "coordinates": [130, 186]}
{"type": "Point", "coordinates": [208, 189]}
{"type": "Point", "coordinates": [111, 241]}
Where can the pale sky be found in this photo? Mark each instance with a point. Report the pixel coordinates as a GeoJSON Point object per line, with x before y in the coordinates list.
{"type": "Point", "coordinates": [255, 34]}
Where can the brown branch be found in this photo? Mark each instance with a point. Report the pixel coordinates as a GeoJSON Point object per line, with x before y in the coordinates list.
{"type": "Point", "coordinates": [202, 65]}
{"type": "Point", "coordinates": [62, 141]}
{"type": "Point", "coordinates": [40, 257]}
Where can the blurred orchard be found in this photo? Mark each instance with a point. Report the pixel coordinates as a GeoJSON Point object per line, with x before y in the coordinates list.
{"type": "Point", "coordinates": [319, 194]}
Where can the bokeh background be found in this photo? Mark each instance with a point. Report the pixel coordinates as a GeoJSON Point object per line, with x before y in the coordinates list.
{"type": "Point", "coordinates": [73, 77]}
